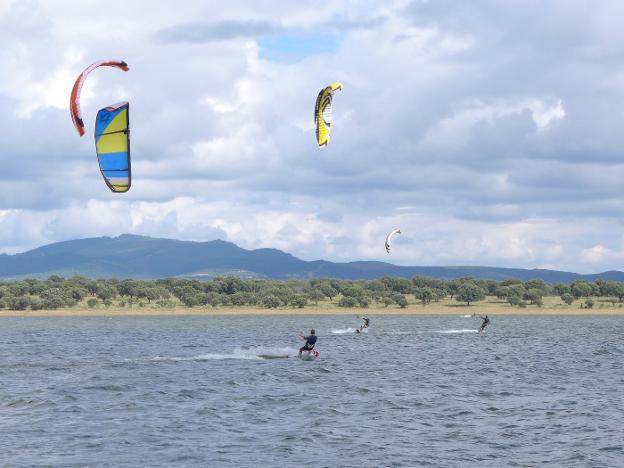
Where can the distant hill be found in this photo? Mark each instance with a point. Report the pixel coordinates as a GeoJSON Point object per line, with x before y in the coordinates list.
{"type": "Point", "coordinates": [131, 256]}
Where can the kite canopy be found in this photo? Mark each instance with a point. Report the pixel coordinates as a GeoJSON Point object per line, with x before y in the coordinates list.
{"type": "Point", "coordinates": [74, 100]}
{"type": "Point", "coordinates": [390, 236]}
{"type": "Point", "coordinates": [112, 143]}
{"type": "Point", "coordinates": [322, 113]}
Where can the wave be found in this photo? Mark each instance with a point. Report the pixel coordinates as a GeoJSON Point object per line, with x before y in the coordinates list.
{"type": "Point", "coordinates": [466, 316]}
{"type": "Point", "coordinates": [463, 330]}
{"type": "Point", "coordinates": [344, 331]}
{"type": "Point", "coordinates": [250, 353]}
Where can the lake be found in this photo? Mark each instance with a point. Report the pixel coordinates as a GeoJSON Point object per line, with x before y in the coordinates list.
{"type": "Point", "coordinates": [220, 391]}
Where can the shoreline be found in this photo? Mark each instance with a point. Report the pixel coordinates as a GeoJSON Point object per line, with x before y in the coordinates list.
{"type": "Point", "coordinates": [338, 311]}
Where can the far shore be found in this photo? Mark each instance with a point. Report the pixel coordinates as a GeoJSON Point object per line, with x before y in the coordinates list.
{"type": "Point", "coordinates": [433, 309]}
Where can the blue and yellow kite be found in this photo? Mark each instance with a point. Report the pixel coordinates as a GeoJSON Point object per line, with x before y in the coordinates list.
{"type": "Point", "coordinates": [112, 143]}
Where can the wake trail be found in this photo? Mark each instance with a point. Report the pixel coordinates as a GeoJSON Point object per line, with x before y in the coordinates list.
{"type": "Point", "coordinates": [244, 353]}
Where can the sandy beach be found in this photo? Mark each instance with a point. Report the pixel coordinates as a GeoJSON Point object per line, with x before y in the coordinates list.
{"type": "Point", "coordinates": [486, 307]}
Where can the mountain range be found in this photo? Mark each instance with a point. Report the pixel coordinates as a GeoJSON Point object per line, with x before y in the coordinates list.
{"type": "Point", "coordinates": [132, 256]}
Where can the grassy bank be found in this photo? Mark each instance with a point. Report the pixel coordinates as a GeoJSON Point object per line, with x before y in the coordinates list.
{"type": "Point", "coordinates": [491, 306]}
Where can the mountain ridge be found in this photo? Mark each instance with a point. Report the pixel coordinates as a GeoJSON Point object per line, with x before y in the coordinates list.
{"type": "Point", "coordinates": [134, 256]}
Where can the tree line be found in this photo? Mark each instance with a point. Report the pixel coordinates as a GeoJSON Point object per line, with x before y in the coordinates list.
{"type": "Point", "coordinates": [58, 292]}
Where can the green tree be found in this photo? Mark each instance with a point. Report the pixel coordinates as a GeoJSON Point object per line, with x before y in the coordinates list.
{"type": "Point", "coordinates": [191, 300]}
{"type": "Point", "coordinates": [402, 301]}
{"type": "Point", "coordinates": [353, 291]}
{"type": "Point", "coordinates": [538, 284]}
{"type": "Point", "coordinates": [240, 298]}
{"type": "Point", "coordinates": [19, 303]}
{"type": "Point", "coordinates": [77, 293]}
{"type": "Point", "coordinates": [400, 285]}
{"type": "Point", "coordinates": [152, 294]}
{"type": "Point", "coordinates": [439, 294]}
{"type": "Point", "coordinates": [424, 294]}
{"type": "Point", "coordinates": [347, 301]}
{"type": "Point", "coordinates": [427, 282]}
{"type": "Point", "coordinates": [52, 302]}
{"type": "Point", "coordinates": [560, 289]}
{"type": "Point", "coordinates": [581, 289]}
{"type": "Point", "coordinates": [602, 286]}
{"type": "Point", "coordinates": [316, 295]}
{"type": "Point", "coordinates": [615, 289]}
{"type": "Point", "coordinates": [567, 298]}
{"type": "Point", "coordinates": [469, 293]}
{"type": "Point", "coordinates": [490, 287]}
{"type": "Point", "coordinates": [226, 300]}
{"type": "Point", "coordinates": [299, 301]}
{"type": "Point", "coordinates": [92, 302]}
{"type": "Point", "coordinates": [329, 291]}
{"type": "Point", "coordinates": [375, 287]}
{"type": "Point", "coordinates": [105, 293]}
{"type": "Point", "coordinates": [19, 288]}
{"type": "Point", "coordinates": [36, 303]}
{"type": "Point", "coordinates": [232, 285]}
{"type": "Point", "coordinates": [533, 295]}
{"type": "Point", "coordinates": [271, 302]}
{"type": "Point", "coordinates": [213, 299]}
{"type": "Point", "coordinates": [452, 287]}
{"type": "Point", "coordinates": [503, 292]}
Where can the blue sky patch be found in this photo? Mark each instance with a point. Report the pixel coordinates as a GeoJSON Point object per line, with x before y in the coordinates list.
{"type": "Point", "coordinates": [293, 48]}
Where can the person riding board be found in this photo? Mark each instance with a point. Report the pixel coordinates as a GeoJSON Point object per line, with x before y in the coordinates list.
{"type": "Point", "coordinates": [310, 342]}
{"type": "Point", "coordinates": [364, 325]}
{"type": "Point", "coordinates": [486, 322]}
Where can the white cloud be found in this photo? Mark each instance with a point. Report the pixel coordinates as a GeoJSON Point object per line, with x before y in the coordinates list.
{"type": "Point", "coordinates": [543, 115]}
{"type": "Point", "coordinates": [484, 145]}
{"type": "Point", "coordinates": [456, 131]}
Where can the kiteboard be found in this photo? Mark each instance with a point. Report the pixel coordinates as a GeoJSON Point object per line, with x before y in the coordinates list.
{"type": "Point", "coordinates": [309, 355]}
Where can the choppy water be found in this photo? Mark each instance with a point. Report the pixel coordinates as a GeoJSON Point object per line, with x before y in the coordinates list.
{"type": "Point", "coordinates": [218, 391]}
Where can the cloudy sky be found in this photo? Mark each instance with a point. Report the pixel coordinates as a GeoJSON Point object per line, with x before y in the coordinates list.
{"type": "Point", "coordinates": [491, 133]}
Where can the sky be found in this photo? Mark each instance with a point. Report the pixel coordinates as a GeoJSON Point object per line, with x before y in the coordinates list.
{"type": "Point", "coordinates": [489, 132]}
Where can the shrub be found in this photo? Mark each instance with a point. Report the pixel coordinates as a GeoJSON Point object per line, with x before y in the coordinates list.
{"type": "Point", "coordinates": [567, 298]}
{"type": "Point", "coordinates": [270, 302]}
{"type": "Point", "coordinates": [298, 301]}
{"type": "Point", "coordinates": [347, 301]}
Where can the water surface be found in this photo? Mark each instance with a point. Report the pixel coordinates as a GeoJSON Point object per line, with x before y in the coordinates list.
{"type": "Point", "coordinates": [220, 391]}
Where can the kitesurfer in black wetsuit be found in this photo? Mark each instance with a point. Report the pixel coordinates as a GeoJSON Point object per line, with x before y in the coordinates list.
{"type": "Point", "coordinates": [486, 322]}
{"type": "Point", "coordinates": [364, 325]}
{"type": "Point", "coordinates": [310, 342]}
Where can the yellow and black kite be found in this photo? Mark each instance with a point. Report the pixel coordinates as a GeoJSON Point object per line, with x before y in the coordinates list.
{"type": "Point", "coordinates": [322, 113]}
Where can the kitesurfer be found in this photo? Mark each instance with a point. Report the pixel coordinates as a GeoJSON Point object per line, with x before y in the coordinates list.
{"type": "Point", "coordinates": [310, 342]}
{"type": "Point", "coordinates": [486, 322]}
{"type": "Point", "coordinates": [365, 324]}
